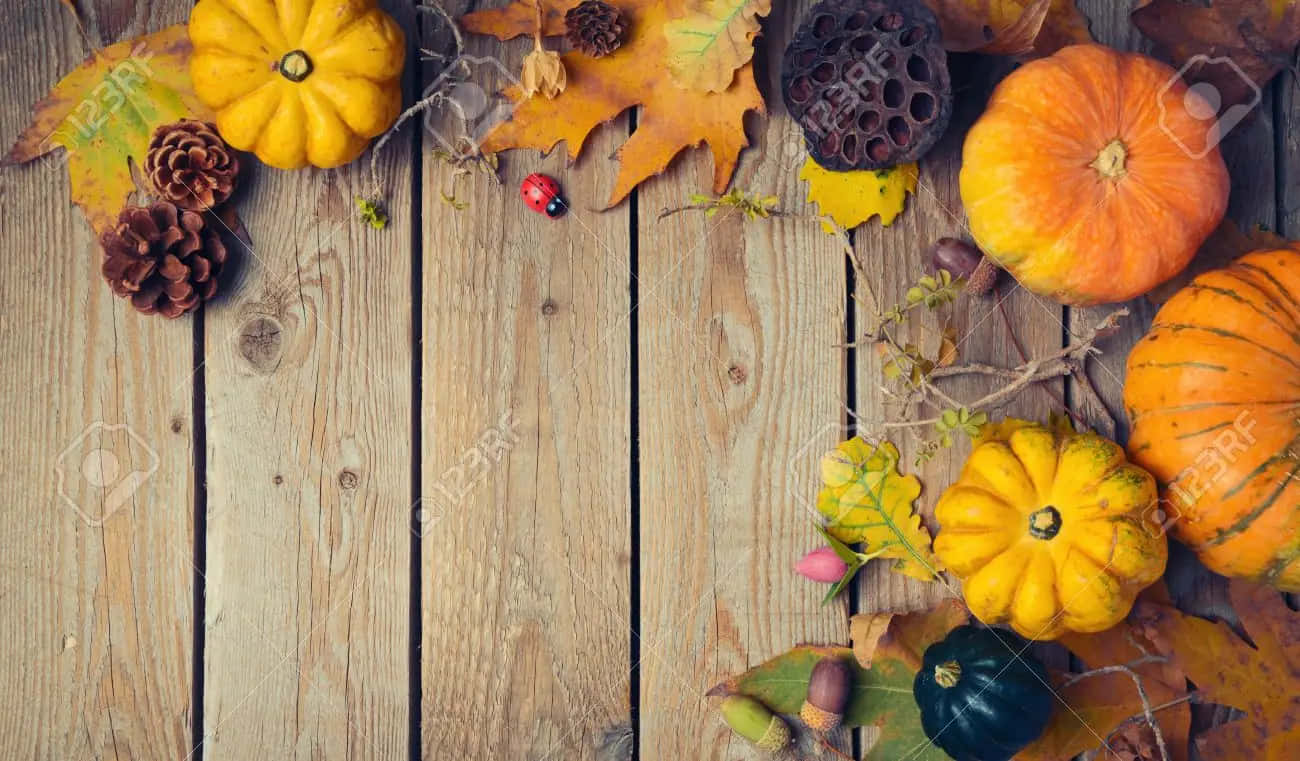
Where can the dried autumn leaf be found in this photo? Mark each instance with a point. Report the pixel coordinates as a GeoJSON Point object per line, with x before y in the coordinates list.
{"type": "Point", "coordinates": [1099, 704]}
{"type": "Point", "coordinates": [1263, 680]}
{"type": "Point", "coordinates": [1224, 245]}
{"type": "Point", "coordinates": [1236, 46]}
{"type": "Point", "coordinates": [542, 73]}
{"type": "Point", "coordinates": [882, 694]}
{"type": "Point", "coordinates": [1022, 28]}
{"type": "Point", "coordinates": [851, 198]}
{"type": "Point", "coordinates": [865, 631]}
{"type": "Point", "coordinates": [865, 499]}
{"type": "Point", "coordinates": [600, 89]}
{"type": "Point", "coordinates": [103, 113]}
{"type": "Point", "coordinates": [713, 39]}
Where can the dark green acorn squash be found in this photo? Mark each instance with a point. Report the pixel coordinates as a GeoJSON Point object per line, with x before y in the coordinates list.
{"type": "Point", "coordinates": [981, 697]}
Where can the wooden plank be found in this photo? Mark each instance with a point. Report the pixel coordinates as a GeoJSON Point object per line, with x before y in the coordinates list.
{"type": "Point", "coordinates": [308, 380]}
{"type": "Point", "coordinates": [95, 581]}
{"type": "Point", "coordinates": [895, 257]}
{"type": "Point", "coordinates": [742, 389]}
{"type": "Point", "coordinates": [526, 425]}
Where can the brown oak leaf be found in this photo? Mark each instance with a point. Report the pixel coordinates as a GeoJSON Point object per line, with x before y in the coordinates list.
{"type": "Point", "coordinates": [1253, 40]}
{"type": "Point", "coordinates": [1021, 28]}
{"type": "Point", "coordinates": [1263, 680]}
{"type": "Point", "coordinates": [599, 89]}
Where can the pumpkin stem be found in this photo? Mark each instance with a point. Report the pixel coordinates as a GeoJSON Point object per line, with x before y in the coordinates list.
{"type": "Point", "coordinates": [1110, 160]}
{"type": "Point", "coordinates": [947, 674]}
{"type": "Point", "coordinates": [294, 66]}
{"type": "Point", "coordinates": [1045, 523]}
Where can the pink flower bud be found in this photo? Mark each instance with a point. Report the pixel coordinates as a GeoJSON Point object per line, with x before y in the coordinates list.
{"type": "Point", "coordinates": [822, 564]}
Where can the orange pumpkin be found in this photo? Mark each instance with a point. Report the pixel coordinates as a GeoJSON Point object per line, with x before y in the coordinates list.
{"type": "Point", "coordinates": [1088, 177]}
{"type": "Point", "coordinates": [1213, 395]}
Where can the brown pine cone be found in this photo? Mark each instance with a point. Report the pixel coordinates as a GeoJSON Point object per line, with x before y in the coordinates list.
{"type": "Point", "coordinates": [190, 165]}
{"type": "Point", "coordinates": [165, 260]}
{"type": "Point", "coordinates": [594, 27]}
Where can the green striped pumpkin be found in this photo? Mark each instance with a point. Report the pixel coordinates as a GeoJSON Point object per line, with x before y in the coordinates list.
{"type": "Point", "coordinates": [1213, 395]}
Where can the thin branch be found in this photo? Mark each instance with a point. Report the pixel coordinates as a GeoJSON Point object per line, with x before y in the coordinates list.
{"type": "Point", "coordinates": [1148, 712]}
{"type": "Point", "coordinates": [428, 101]}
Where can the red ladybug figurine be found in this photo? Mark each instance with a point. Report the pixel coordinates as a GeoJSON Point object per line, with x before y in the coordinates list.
{"type": "Point", "coordinates": [542, 194]}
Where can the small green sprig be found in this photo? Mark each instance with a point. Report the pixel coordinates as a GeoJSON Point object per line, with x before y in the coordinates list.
{"type": "Point", "coordinates": [753, 206]}
{"type": "Point", "coordinates": [373, 212]}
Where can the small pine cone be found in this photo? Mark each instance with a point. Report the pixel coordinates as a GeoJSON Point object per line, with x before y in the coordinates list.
{"type": "Point", "coordinates": [190, 165]}
{"type": "Point", "coordinates": [594, 27]}
{"type": "Point", "coordinates": [165, 260]}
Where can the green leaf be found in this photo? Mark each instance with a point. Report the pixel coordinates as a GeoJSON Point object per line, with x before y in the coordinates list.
{"type": "Point", "coordinates": [882, 694]}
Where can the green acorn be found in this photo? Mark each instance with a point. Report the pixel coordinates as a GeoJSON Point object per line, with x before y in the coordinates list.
{"type": "Point", "coordinates": [753, 721]}
{"type": "Point", "coordinates": [828, 694]}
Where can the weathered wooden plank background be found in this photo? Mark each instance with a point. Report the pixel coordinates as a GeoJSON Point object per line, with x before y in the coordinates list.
{"type": "Point", "coordinates": [481, 485]}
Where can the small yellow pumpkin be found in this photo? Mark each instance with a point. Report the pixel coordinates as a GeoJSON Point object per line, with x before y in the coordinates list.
{"type": "Point", "coordinates": [298, 82]}
{"type": "Point", "coordinates": [1050, 530]}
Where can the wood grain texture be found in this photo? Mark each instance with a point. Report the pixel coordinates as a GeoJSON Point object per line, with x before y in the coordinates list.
{"type": "Point", "coordinates": [526, 425]}
{"type": "Point", "coordinates": [742, 387]}
{"type": "Point", "coordinates": [308, 379]}
{"type": "Point", "coordinates": [894, 257]}
{"type": "Point", "coordinates": [96, 628]}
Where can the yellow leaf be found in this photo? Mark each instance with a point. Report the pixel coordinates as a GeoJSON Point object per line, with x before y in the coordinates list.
{"type": "Point", "coordinates": [600, 89]}
{"type": "Point", "coordinates": [104, 112]}
{"type": "Point", "coordinates": [713, 39]}
{"type": "Point", "coordinates": [543, 73]}
{"type": "Point", "coordinates": [851, 198]}
{"type": "Point", "coordinates": [867, 500]}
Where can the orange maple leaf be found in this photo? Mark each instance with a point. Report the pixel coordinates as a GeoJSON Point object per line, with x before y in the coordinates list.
{"type": "Point", "coordinates": [599, 89]}
{"type": "Point", "coordinates": [1263, 680]}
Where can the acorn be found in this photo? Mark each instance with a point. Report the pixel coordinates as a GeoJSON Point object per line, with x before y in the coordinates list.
{"type": "Point", "coordinates": [966, 261]}
{"type": "Point", "coordinates": [829, 688]}
{"type": "Point", "coordinates": [753, 721]}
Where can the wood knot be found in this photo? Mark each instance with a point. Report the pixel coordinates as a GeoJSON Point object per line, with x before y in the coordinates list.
{"type": "Point", "coordinates": [348, 480]}
{"type": "Point", "coordinates": [549, 307]}
{"type": "Point", "coordinates": [737, 374]}
{"type": "Point", "coordinates": [178, 425]}
{"type": "Point", "coordinates": [260, 344]}
{"type": "Point", "coordinates": [277, 479]}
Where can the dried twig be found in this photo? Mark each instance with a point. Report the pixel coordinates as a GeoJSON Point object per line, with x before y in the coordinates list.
{"type": "Point", "coordinates": [433, 98]}
{"type": "Point", "coordinates": [1148, 713]}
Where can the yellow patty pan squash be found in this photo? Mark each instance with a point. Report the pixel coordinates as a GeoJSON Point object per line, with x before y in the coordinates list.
{"type": "Point", "coordinates": [298, 82]}
{"type": "Point", "coordinates": [1050, 530]}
